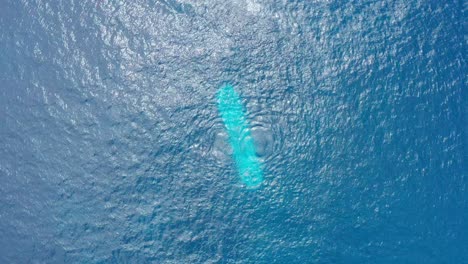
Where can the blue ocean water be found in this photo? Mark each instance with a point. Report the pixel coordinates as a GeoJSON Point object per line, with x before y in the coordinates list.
{"type": "Point", "coordinates": [112, 149]}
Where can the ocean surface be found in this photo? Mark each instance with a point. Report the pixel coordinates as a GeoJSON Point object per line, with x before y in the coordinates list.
{"type": "Point", "coordinates": [112, 149]}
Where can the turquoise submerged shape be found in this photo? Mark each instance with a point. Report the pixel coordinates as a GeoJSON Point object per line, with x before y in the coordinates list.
{"type": "Point", "coordinates": [243, 147]}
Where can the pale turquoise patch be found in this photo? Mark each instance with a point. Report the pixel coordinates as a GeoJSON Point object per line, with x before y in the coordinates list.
{"type": "Point", "coordinates": [243, 147]}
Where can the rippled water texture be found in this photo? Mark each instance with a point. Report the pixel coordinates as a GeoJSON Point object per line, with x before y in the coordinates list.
{"type": "Point", "coordinates": [112, 148]}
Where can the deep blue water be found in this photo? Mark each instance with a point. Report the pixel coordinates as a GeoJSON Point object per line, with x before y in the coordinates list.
{"type": "Point", "coordinates": [112, 149]}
